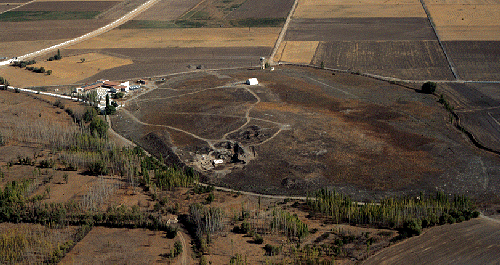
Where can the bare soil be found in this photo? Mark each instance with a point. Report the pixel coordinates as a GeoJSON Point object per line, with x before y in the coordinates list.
{"type": "Point", "coordinates": [412, 60]}
{"type": "Point", "coordinates": [477, 107]}
{"type": "Point", "coordinates": [48, 30]}
{"type": "Point", "coordinates": [352, 29]}
{"type": "Point", "coordinates": [475, 60]}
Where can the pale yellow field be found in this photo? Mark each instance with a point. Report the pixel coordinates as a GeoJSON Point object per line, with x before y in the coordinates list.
{"type": "Point", "coordinates": [297, 51]}
{"type": "Point", "coordinates": [66, 71]}
{"type": "Point", "coordinates": [362, 8]}
{"type": "Point", "coordinates": [192, 37]}
{"type": "Point", "coordinates": [466, 22]}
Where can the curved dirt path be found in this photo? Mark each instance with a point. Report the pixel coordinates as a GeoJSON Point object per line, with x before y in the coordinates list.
{"type": "Point", "coordinates": [247, 114]}
{"type": "Point", "coordinates": [210, 142]}
{"type": "Point", "coordinates": [89, 35]}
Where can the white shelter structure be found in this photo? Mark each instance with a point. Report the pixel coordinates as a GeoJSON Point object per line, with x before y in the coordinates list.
{"type": "Point", "coordinates": [252, 82]}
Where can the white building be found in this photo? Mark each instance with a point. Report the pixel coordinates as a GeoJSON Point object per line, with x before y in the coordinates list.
{"type": "Point", "coordinates": [252, 82]}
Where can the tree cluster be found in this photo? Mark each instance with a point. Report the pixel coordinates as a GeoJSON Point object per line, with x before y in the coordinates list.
{"type": "Point", "coordinates": [409, 214]}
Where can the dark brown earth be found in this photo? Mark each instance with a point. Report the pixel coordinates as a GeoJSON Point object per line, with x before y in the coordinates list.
{"type": "Point", "coordinates": [475, 60]}
{"type": "Point", "coordinates": [312, 129]}
{"type": "Point", "coordinates": [48, 29]}
{"type": "Point", "coordinates": [413, 60]}
{"type": "Point", "coordinates": [154, 62]}
{"type": "Point", "coordinates": [478, 107]}
{"type": "Point", "coordinates": [68, 6]}
{"type": "Point", "coordinates": [471, 242]}
{"type": "Point", "coordinates": [354, 29]}
{"type": "Point", "coordinates": [262, 9]}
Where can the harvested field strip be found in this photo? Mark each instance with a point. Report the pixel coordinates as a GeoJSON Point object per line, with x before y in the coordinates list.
{"type": "Point", "coordinates": [358, 9]}
{"type": "Point", "coordinates": [413, 60]}
{"type": "Point", "coordinates": [217, 37]}
{"type": "Point", "coordinates": [298, 51]}
{"type": "Point", "coordinates": [352, 29]}
{"type": "Point", "coordinates": [68, 6]}
{"type": "Point", "coordinates": [466, 22]}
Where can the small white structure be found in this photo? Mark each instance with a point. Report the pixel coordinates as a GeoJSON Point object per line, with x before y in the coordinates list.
{"type": "Point", "coordinates": [218, 161]}
{"type": "Point", "coordinates": [252, 82]}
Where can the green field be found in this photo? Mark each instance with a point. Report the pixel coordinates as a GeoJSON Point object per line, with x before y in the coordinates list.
{"type": "Point", "coordinates": [18, 16]}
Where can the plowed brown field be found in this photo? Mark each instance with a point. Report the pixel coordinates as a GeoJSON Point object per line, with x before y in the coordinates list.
{"type": "Point", "coordinates": [475, 60]}
{"type": "Point", "coordinates": [414, 60]}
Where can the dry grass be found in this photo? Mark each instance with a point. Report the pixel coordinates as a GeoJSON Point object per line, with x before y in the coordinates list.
{"type": "Point", "coordinates": [195, 37]}
{"type": "Point", "coordinates": [297, 51]}
{"type": "Point", "coordinates": [364, 8]}
{"type": "Point", "coordinates": [467, 22]}
{"type": "Point", "coordinates": [66, 71]}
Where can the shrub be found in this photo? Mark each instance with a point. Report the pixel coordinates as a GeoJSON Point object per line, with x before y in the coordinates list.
{"type": "Point", "coordinates": [413, 227]}
{"type": "Point", "coordinates": [272, 250]}
{"type": "Point", "coordinates": [429, 87]}
{"type": "Point", "coordinates": [210, 198]}
{"type": "Point", "coordinates": [47, 163]}
{"type": "Point", "coordinates": [97, 168]}
{"type": "Point", "coordinates": [257, 239]}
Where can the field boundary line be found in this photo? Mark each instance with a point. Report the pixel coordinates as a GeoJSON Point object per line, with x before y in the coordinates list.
{"type": "Point", "coordinates": [431, 22]}
{"type": "Point", "coordinates": [283, 32]}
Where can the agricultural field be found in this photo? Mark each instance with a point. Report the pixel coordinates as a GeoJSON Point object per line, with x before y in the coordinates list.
{"type": "Point", "coordinates": [392, 39]}
{"type": "Point", "coordinates": [359, 9]}
{"type": "Point", "coordinates": [380, 138]}
{"type": "Point", "coordinates": [399, 59]}
{"type": "Point", "coordinates": [67, 71]}
{"type": "Point", "coordinates": [42, 24]}
{"type": "Point", "coordinates": [473, 242]}
{"type": "Point", "coordinates": [183, 50]}
{"type": "Point", "coordinates": [470, 33]}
